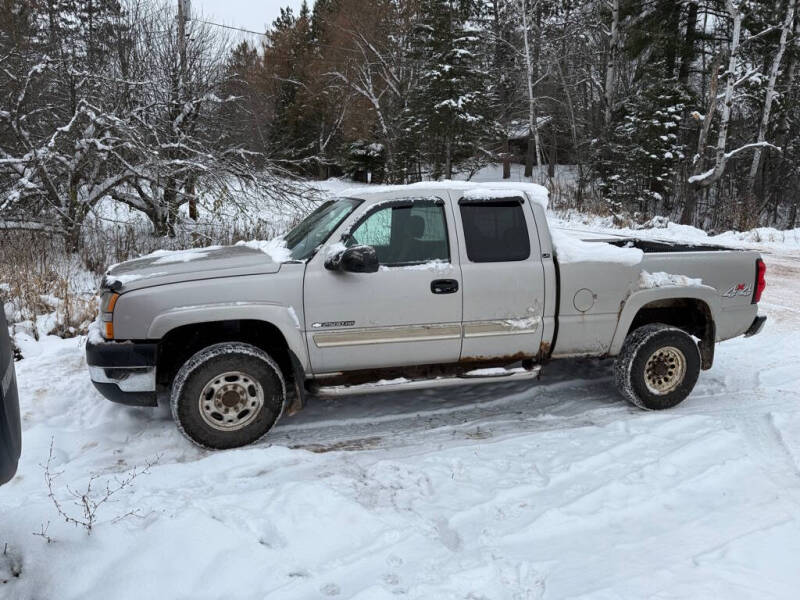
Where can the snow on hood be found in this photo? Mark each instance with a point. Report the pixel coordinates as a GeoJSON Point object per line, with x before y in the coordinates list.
{"type": "Point", "coordinates": [275, 248]}
{"type": "Point", "coordinates": [570, 249]}
{"type": "Point", "coordinates": [165, 257]}
{"type": "Point", "coordinates": [164, 266]}
{"type": "Point", "coordinates": [535, 192]}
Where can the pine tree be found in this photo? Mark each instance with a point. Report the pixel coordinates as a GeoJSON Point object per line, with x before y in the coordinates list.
{"type": "Point", "coordinates": [449, 112]}
{"type": "Point", "coordinates": [287, 57]}
{"type": "Point", "coordinates": [639, 165]}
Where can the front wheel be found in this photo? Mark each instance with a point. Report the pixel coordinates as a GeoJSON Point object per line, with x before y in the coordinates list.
{"type": "Point", "coordinates": [227, 395]}
{"type": "Point", "coordinates": [658, 366]}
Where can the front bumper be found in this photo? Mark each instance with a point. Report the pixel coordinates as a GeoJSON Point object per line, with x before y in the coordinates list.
{"type": "Point", "coordinates": [756, 326]}
{"type": "Point", "coordinates": [124, 372]}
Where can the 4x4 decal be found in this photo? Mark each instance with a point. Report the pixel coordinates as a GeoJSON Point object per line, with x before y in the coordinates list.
{"type": "Point", "coordinates": [740, 289]}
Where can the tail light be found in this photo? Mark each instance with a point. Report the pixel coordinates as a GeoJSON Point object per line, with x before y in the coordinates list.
{"type": "Point", "coordinates": [761, 283]}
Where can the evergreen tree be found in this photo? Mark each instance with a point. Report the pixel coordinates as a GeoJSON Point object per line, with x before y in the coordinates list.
{"type": "Point", "coordinates": [449, 115]}
{"type": "Point", "coordinates": [638, 167]}
{"type": "Point", "coordinates": [288, 57]}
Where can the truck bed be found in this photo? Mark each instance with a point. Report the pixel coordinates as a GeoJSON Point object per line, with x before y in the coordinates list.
{"type": "Point", "coordinates": [652, 246]}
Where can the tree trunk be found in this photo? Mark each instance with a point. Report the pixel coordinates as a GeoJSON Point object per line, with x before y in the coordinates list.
{"type": "Point", "coordinates": [448, 159]}
{"type": "Point", "coordinates": [165, 216]}
{"type": "Point", "coordinates": [529, 156]}
{"type": "Point", "coordinates": [749, 216]}
{"type": "Point", "coordinates": [159, 220]}
{"type": "Point", "coordinates": [534, 143]}
{"type": "Point", "coordinates": [784, 127]}
{"type": "Point", "coordinates": [721, 159]}
{"type": "Point", "coordinates": [192, 200]}
{"type": "Point", "coordinates": [687, 51]}
{"type": "Point", "coordinates": [506, 159]}
{"type": "Point", "coordinates": [670, 58]}
{"type": "Point", "coordinates": [73, 237]}
{"type": "Point", "coordinates": [689, 206]}
{"type": "Point", "coordinates": [613, 43]}
{"type": "Point", "coordinates": [74, 219]}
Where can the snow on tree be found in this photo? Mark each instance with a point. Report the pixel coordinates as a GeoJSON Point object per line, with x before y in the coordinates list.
{"type": "Point", "coordinates": [639, 162]}
{"type": "Point", "coordinates": [448, 115]}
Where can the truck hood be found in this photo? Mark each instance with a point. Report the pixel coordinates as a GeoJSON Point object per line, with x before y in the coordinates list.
{"type": "Point", "coordinates": [162, 267]}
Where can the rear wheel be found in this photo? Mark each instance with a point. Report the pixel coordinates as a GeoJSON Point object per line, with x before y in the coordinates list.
{"type": "Point", "coordinates": [227, 395]}
{"type": "Point", "coordinates": [658, 366]}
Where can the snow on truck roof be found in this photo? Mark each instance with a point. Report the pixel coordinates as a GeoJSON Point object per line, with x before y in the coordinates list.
{"type": "Point", "coordinates": [535, 192]}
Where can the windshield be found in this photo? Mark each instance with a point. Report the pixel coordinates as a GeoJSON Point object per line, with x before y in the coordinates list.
{"type": "Point", "coordinates": [315, 229]}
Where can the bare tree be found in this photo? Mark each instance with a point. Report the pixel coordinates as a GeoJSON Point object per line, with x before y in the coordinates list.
{"type": "Point", "coordinates": [530, 75]}
{"type": "Point", "coordinates": [749, 216]}
{"type": "Point", "coordinates": [721, 158]}
{"type": "Point", "coordinates": [88, 502]}
{"type": "Point", "coordinates": [611, 64]}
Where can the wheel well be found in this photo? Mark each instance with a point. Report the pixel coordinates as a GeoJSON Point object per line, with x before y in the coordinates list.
{"type": "Point", "coordinates": [179, 344]}
{"type": "Point", "coordinates": [692, 315]}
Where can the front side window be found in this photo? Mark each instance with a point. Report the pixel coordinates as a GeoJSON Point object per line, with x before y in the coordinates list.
{"type": "Point", "coordinates": [407, 234]}
{"type": "Point", "coordinates": [315, 229]}
{"type": "Point", "coordinates": [495, 231]}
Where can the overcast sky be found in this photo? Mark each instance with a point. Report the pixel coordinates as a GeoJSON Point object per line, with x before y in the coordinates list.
{"type": "Point", "coordinates": [249, 14]}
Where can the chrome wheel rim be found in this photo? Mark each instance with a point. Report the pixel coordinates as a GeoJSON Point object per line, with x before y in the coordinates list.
{"type": "Point", "coordinates": [231, 401]}
{"type": "Point", "coordinates": [664, 370]}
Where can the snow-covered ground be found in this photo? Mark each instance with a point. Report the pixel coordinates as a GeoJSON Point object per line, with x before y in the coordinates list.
{"type": "Point", "coordinates": [511, 491]}
{"type": "Point", "coordinates": [552, 490]}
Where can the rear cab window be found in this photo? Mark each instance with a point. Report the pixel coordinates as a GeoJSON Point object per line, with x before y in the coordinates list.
{"type": "Point", "coordinates": [495, 230]}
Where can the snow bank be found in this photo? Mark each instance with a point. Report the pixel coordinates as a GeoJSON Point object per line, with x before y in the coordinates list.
{"type": "Point", "coordinates": [571, 249]}
{"type": "Point", "coordinates": [767, 236]}
{"type": "Point", "coordinates": [661, 279]}
{"type": "Point", "coordinates": [275, 248]}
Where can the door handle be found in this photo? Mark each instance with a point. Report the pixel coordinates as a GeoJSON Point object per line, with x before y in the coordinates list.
{"type": "Point", "coordinates": [444, 286]}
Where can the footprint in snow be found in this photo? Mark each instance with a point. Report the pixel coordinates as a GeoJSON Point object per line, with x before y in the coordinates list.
{"type": "Point", "coordinates": [394, 561]}
{"type": "Point", "coordinates": [330, 589]}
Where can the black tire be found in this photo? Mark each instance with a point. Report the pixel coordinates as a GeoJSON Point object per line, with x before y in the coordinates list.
{"type": "Point", "coordinates": [258, 382]}
{"type": "Point", "coordinates": [671, 374]}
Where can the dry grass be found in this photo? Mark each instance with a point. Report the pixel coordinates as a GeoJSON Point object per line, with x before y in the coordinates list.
{"type": "Point", "coordinates": [47, 290]}
{"type": "Point", "coordinates": [39, 279]}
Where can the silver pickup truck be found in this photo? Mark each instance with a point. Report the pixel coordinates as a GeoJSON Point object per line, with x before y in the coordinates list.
{"type": "Point", "coordinates": [405, 287]}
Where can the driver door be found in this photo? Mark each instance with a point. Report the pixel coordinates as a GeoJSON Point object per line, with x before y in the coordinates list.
{"type": "Point", "coordinates": [408, 312]}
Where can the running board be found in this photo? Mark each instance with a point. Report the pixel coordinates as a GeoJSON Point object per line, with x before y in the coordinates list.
{"type": "Point", "coordinates": [402, 384]}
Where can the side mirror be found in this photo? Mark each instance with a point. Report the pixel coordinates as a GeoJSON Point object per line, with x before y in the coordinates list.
{"type": "Point", "coordinates": [358, 259]}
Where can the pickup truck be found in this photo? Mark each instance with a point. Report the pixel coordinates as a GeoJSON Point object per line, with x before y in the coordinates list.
{"type": "Point", "coordinates": [404, 287]}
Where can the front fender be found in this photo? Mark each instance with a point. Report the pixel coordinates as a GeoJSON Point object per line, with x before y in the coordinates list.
{"type": "Point", "coordinates": [638, 299]}
{"type": "Point", "coordinates": [282, 317]}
